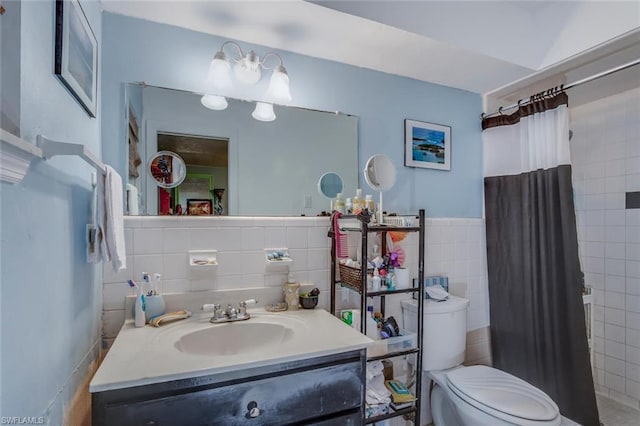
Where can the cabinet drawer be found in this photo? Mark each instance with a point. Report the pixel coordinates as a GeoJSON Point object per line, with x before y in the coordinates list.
{"type": "Point", "coordinates": [353, 418]}
{"type": "Point", "coordinates": [281, 400]}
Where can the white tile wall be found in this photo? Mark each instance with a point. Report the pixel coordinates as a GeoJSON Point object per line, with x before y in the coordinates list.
{"type": "Point", "coordinates": [454, 247]}
{"type": "Point", "coordinates": [606, 164]}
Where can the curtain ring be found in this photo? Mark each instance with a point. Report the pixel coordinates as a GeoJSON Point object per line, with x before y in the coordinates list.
{"type": "Point", "coordinates": [562, 87]}
{"type": "Point", "coordinates": [500, 110]}
{"type": "Point", "coordinates": [519, 102]}
{"type": "Point", "coordinates": [482, 116]}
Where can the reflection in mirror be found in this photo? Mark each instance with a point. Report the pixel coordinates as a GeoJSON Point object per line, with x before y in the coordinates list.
{"type": "Point", "coordinates": [380, 175]}
{"type": "Point", "coordinates": [330, 185]}
{"type": "Point", "coordinates": [253, 168]}
{"type": "Point", "coordinates": [208, 162]}
{"type": "Point", "coordinates": [167, 169]}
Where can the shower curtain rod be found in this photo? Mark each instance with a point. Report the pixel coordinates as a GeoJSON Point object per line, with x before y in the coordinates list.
{"type": "Point", "coordinates": [563, 87]}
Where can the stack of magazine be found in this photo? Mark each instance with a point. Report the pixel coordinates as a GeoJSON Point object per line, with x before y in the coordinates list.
{"type": "Point", "coordinates": [401, 397]}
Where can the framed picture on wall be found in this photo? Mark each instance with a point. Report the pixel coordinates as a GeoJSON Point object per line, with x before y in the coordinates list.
{"type": "Point", "coordinates": [76, 54]}
{"type": "Point", "coordinates": [427, 145]}
{"type": "Point", "coordinates": [199, 207]}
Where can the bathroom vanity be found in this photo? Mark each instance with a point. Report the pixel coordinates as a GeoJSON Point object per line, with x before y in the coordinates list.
{"type": "Point", "coordinates": [311, 370]}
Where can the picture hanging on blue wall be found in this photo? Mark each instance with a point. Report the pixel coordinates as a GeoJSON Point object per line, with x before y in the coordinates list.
{"type": "Point", "coordinates": [427, 145]}
{"type": "Point", "coordinates": [76, 54]}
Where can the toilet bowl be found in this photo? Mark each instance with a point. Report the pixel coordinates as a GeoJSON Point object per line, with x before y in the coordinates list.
{"type": "Point", "coordinates": [475, 395]}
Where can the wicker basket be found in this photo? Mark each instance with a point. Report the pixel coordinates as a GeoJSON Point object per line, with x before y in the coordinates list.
{"type": "Point", "coordinates": [351, 277]}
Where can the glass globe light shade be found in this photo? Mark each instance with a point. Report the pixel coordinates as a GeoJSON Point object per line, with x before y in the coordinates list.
{"type": "Point", "coordinates": [278, 91]}
{"type": "Point", "coordinates": [214, 102]}
{"type": "Point", "coordinates": [263, 112]}
{"type": "Point", "coordinates": [219, 75]}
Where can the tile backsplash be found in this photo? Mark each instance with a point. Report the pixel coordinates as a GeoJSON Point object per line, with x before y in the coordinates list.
{"type": "Point", "coordinates": [454, 247]}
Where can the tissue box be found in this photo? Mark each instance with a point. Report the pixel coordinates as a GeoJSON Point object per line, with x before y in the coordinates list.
{"type": "Point", "coordinates": [430, 281]}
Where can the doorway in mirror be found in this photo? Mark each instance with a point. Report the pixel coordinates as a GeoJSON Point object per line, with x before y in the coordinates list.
{"type": "Point", "coordinates": [207, 162]}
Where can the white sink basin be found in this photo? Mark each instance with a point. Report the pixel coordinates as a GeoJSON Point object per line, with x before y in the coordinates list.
{"type": "Point", "coordinates": [242, 337]}
{"type": "Point", "coordinates": [196, 348]}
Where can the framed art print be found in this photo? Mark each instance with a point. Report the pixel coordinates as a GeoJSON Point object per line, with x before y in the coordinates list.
{"type": "Point", "coordinates": [199, 207]}
{"type": "Point", "coordinates": [427, 145]}
{"type": "Point", "coordinates": [76, 54]}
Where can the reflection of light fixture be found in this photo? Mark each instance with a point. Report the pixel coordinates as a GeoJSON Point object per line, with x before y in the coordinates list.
{"type": "Point", "coordinates": [247, 70]}
{"type": "Point", "coordinates": [214, 102]}
{"type": "Point", "coordinates": [263, 112]}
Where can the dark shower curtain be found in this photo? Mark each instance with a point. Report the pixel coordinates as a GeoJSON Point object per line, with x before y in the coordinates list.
{"type": "Point", "coordinates": [535, 282]}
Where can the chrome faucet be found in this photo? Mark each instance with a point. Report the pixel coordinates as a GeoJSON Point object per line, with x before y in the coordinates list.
{"type": "Point", "coordinates": [230, 314]}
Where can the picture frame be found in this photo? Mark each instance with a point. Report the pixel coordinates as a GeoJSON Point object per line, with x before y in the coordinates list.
{"type": "Point", "coordinates": [199, 207]}
{"type": "Point", "coordinates": [76, 54]}
{"type": "Point", "coordinates": [427, 145]}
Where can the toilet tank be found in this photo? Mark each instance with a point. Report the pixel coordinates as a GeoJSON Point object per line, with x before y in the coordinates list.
{"type": "Point", "coordinates": [444, 331]}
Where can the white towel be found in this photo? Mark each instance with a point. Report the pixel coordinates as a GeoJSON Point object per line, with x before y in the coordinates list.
{"type": "Point", "coordinates": [110, 219]}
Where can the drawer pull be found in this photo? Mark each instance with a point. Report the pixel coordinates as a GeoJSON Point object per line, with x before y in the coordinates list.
{"type": "Point", "coordinates": [252, 410]}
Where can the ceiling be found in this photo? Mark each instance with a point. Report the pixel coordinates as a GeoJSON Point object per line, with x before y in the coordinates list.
{"type": "Point", "coordinates": [434, 41]}
{"type": "Point", "coordinates": [196, 151]}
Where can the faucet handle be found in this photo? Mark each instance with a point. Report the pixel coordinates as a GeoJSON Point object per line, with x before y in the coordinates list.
{"type": "Point", "coordinates": [242, 306]}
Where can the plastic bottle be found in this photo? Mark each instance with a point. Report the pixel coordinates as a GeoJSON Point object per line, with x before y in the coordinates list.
{"type": "Point", "coordinates": [338, 204]}
{"type": "Point", "coordinates": [369, 204]}
{"type": "Point", "coordinates": [372, 325]}
{"type": "Point", "coordinates": [358, 202]}
{"type": "Point", "coordinates": [290, 290]}
{"type": "Point", "coordinates": [348, 206]}
{"type": "Point", "coordinates": [375, 281]}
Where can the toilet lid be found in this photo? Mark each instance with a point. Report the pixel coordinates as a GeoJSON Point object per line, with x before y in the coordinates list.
{"type": "Point", "coordinates": [485, 387]}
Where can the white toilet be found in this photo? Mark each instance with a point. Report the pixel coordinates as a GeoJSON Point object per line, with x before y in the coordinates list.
{"type": "Point", "coordinates": [476, 395]}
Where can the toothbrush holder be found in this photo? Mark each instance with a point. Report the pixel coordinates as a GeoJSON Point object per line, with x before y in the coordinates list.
{"type": "Point", "coordinates": [154, 306]}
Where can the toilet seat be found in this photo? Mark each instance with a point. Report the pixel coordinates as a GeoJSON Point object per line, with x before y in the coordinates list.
{"type": "Point", "coordinates": [501, 395]}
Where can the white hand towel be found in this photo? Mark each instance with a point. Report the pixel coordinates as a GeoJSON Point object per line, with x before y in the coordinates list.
{"type": "Point", "coordinates": [110, 219]}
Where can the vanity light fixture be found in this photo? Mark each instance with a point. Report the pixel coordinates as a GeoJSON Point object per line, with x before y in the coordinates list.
{"type": "Point", "coordinates": [247, 70]}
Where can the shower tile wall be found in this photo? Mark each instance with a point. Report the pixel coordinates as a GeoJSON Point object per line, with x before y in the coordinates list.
{"type": "Point", "coordinates": [606, 165]}
{"type": "Point", "coordinates": [454, 247]}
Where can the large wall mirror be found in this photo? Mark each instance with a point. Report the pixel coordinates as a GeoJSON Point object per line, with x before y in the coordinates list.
{"type": "Point", "coordinates": [235, 165]}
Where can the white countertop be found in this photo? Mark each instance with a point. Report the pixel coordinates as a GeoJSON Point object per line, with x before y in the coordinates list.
{"type": "Point", "coordinates": [146, 355]}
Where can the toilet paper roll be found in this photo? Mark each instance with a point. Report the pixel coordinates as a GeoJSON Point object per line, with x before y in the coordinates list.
{"type": "Point", "coordinates": [402, 278]}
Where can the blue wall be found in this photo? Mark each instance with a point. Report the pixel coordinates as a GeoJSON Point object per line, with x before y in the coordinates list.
{"type": "Point", "coordinates": [51, 298]}
{"type": "Point", "coordinates": [161, 55]}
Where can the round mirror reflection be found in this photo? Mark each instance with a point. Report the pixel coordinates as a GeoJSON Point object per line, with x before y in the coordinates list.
{"type": "Point", "coordinates": [330, 184]}
{"type": "Point", "coordinates": [380, 173]}
{"type": "Point", "coordinates": [167, 169]}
